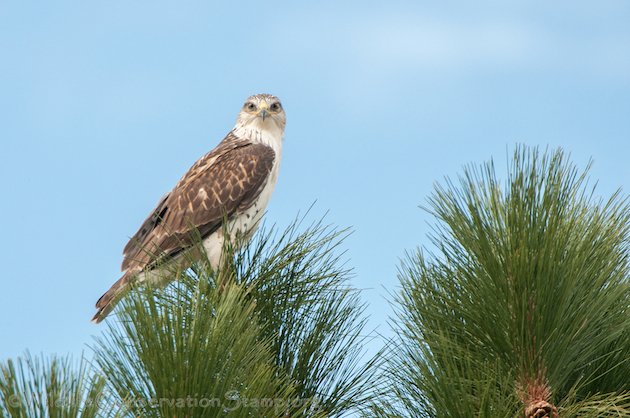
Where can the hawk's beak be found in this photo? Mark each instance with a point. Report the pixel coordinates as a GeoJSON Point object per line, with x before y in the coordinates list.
{"type": "Point", "coordinates": [263, 113]}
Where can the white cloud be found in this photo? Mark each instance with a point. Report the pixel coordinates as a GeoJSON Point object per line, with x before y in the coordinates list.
{"type": "Point", "coordinates": [421, 43]}
{"type": "Point", "coordinates": [430, 45]}
{"type": "Point", "coordinates": [438, 45]}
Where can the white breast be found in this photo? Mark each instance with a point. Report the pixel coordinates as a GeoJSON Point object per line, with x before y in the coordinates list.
{"type": "Point", "coordinates": [244, 224]}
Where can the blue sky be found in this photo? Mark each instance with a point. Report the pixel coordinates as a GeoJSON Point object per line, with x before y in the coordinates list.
{"type": "Point", "coordinates": [104, 105]}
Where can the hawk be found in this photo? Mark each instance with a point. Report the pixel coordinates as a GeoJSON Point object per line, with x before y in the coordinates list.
{"type": "Point", "coordinates": [232, 183]}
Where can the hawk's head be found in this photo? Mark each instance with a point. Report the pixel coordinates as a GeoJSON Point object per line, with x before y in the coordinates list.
{"type": "Point", "coordinates": [262, 111]}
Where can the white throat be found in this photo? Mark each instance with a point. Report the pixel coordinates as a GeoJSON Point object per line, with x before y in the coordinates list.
{"type": "Point", "coordinates": [268, 133]}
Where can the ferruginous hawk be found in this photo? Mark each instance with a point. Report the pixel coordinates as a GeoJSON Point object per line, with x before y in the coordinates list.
{"type": "Point", "coordinates": [232, 182]}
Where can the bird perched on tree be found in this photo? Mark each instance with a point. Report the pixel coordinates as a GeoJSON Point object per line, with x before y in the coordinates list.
{"type": "Point", "coordinates": [233, 183]}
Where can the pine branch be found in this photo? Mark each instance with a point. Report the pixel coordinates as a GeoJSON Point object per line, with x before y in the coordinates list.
{"type": "Point", "coordinates": [192, 350]}
{"type": "Point", "coordinates": [530, 281]}
{"type": "Point", "coordinates": [55, 387]}
{"type": "Point", "coordinates": [315, 319]}
{"type": "Point", "coordinates": [276, 321]}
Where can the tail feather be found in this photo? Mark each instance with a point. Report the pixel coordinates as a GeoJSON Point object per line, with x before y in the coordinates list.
{"type": "Point", "coordinates": [108, 301]}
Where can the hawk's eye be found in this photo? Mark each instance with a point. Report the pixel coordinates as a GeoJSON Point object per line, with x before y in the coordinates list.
{"type": "Point", "coordinates": [250, 106]}
{"type": "Point", "coordinates": [275, 106]}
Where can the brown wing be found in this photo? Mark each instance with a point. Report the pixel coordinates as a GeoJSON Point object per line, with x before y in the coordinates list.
{"type": "Point", "coordinates": [217, 186]}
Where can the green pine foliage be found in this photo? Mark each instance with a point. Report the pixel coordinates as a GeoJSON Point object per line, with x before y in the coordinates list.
{"type": "Point", "coordinates": [525, 301]}
{"type": "Point", "coordinates": [276, 332]}
{"type": "Point", "coordinates": [36, 387]}
{"type": "Point", "coordinates": [191, 350]}
{"type": "Point", "coordinates": [522, 309]}
{"type": "Point", "coordinates": [315, 320]}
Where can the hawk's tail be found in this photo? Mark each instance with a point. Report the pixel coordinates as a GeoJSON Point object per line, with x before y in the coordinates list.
{"type": "Point", "coordinates": [110, 298]}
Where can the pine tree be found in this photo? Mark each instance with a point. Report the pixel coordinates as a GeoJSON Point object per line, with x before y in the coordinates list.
{"type": "Point", "coordinates": [37, 387]}
{"type": "Point", "coordinates": [276, 332]}
{"type": "Point", "coordinates": [523, 309]}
